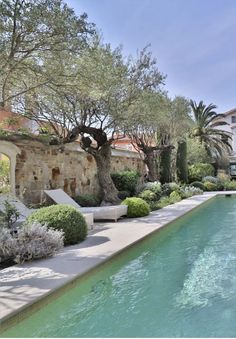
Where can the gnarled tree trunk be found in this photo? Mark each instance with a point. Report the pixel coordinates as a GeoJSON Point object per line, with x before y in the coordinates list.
{"type": "Point", "coordinates": [102, 156]}
{"type": "Point", "coordinates": [108, 189]}
{"type": "Point", "coordinates": [150, 161]}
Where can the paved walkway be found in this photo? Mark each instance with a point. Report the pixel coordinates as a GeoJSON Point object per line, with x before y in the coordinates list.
{"type": "Point", "coordinates": [23, 285]}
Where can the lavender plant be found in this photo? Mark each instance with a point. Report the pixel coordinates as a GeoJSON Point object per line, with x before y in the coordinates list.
{"type": "Point", "coordinates": [32, 241]}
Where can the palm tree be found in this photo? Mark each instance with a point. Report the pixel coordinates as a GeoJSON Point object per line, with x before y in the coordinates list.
{"type": "Point", "coordinates": [206, 121]}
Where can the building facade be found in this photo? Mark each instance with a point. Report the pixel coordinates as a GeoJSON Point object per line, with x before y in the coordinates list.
{"type": "Point", "coordinates": [230, 119]}
{"type": "Point", "coordinates": [11, 121]}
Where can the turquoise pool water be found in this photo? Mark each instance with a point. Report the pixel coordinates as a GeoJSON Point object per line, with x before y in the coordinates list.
{"type": "Point", "coordinates": [181, 282]}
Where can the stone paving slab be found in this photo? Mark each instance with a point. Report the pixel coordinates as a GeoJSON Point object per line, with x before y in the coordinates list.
{"type": "Point", "coordinates": [24, 285]}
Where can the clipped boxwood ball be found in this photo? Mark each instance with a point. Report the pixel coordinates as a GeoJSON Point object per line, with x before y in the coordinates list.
{"type": "Point", "coordinates": [62, 217]}
{"type": "Point", "coordinates": [209, 186]}
{"type": "Point", "coordinates": [137, 207]}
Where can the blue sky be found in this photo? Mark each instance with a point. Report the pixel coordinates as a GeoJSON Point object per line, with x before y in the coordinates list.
{"type": "Point", "coordinates": [194, 41]}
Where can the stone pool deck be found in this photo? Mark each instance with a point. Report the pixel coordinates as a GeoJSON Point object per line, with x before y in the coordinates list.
{"type": "Point", "coordinates": [24, 285]}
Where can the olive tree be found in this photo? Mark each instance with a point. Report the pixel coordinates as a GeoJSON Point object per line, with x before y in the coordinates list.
{"type": "Point", "coordinates": [173, 130]}
{"type": "Point", "coordinates": [93, 104]}
{"type": "Point", "coordinates": [31, 33]}
{"type": "Point", "coordinates": [144, 118]}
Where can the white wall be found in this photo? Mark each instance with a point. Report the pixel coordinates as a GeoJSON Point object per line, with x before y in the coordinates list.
{"type": "Point", "coordinates": [230, 128]}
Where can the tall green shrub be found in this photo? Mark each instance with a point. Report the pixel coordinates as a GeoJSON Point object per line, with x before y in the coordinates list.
{"type": "Point", "coordinates": [181, 162]}
{"type": "Point", "coordinates": [199, 171]}
{"type": "Point", "coordinates": [165, 166]}
{"type": "Point", "coordinates": [125, 180]}
{"type": "Point", "coordinates": [4, 176]}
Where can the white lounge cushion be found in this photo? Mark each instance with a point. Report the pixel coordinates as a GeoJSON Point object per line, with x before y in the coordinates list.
{"type": "Point", "coordinates": [99, 213]}
{"type": "Point", "coordinates": [25, 211]}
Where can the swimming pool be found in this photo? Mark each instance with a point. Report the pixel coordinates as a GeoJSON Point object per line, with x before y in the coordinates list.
{"type": "Point", "coordinates": [180, 282]}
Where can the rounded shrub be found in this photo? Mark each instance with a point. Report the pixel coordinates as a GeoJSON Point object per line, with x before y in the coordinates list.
{"type": "Point", "coordinates": [175, 197]}
{"type": "Point", "coordinates": [198, 184]}
{"type": "Point", "coordinates": [169, 187]}
{"type": "Point", "coordinates": [148, 196]}
{"type": "Point", "coordinates": [87, 200]}
{"type": "Point", "coordinates": [163, 202]}
{"type": "Point", "coordinates": [230, 185]}
{"type": "Point", "coordinates": [189, 191]}
{"type": "Point", "coordinates": [209, 178]}
{"type": "Point", "coordinates": [153, 186]}
{"type": "Point", "coordinates": [154, 205]}
{"type": "Point", "coordinates": [137, 207]}
{"type": "Point", "coordinates": [65, 218]}
{"type": "Point", "coordinates": [209, 186]}
{"type": "Point", "coordinates": [125, 180]}
{"type": "Point", "coordinates": [199, 171]}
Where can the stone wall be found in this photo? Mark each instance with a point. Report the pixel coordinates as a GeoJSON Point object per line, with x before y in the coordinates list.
{"type": "Point", "coordinates": [40, 167]}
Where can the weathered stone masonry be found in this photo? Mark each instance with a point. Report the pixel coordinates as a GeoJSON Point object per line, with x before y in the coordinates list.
{"type": "Point", "coordinates": [39, 166]}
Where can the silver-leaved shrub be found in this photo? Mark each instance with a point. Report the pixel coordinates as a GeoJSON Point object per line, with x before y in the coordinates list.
{"type": "Point", "coordinates": [31, 242]}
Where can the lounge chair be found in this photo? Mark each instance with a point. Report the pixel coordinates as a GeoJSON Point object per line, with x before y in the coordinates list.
{"type": "Point", "coordinates": [25, 211]}
{"type": "Point", "coordinates": [99, 213]}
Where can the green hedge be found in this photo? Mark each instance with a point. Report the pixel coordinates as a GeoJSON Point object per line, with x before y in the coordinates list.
{"type": "Point", "coordinates": [175, 197]}
{"type": "Point", "coordinates": [154, 187]}
{"type": "Point", "coordinates": [87, 200]}
{"type": "Point", "coordinates": [210, 186]}
{"type": "Point", "coordinates": [125, 180]}
{"type": "Point", "coordinates": [169, 187]}
{"type": "Point", "coordinates": [198, 184]}
{"type": "Point", "coordinates": [148, 196]}
{"type": "Point", "coordinates": [230, 185]}
{"type": "Point", "coordinates": [137, 207]}
{"type": "Point", "coordinates": [64, 218]}
{"type": "Point", "coordinates": [181, 162]}
{"type": "Point", "coordinates": [200, 170]}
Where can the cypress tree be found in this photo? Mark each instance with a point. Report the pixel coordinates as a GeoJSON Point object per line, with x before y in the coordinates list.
{"type": "Point", "coordinates": [165, 165]}
{"type": "Point", "coordinates": [181, 162]}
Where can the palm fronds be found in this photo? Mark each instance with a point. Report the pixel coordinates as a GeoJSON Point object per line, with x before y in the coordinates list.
{"type": "Point", "coordinates": [206, 120]}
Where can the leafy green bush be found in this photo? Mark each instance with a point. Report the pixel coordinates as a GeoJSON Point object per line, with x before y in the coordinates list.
{"type": "Point", "coordinates": [123, 195]}
{"type": "Point", "coordinates": [125, 180]}
{"type": "Point", "coordinates": [209, 186]}
{"type": "Point", "coordinates": [223, 177]}
{"type": "Point", "coordinates": [137, 207]}
{"type": "Point", "coordinates": [155, 187]}
{"type": "Point", "coordinates": [175, 197]}
{"type": "Point", "coordinates": [189, 191]}
{"type": "Point", "coordinates": [209, 178]}
{"type": "Point", "coordinates": [169, 187]}
{"type": "Point", "coordinates": [163, 202]}
{"type": "Point", "coordinates": [9, 214]}
{"type": "Point", "coordinates": [223, 181]}
{"type": "Point", "coordinates": [63, 218]}
{"type": "Point", "coordinates": [148, 196]}
{"type": "Point", "coordinates": [230, 185]}
{"type": "Point", "coordinates": [198, 184]}
{"type": "Point", "coordinates": [4, 176]}
{"type": "Point", "coordinates": [200, 170]}
{"type": "Point", "coordinates": [154, 205]}
{"type": "Point", "coordinates": [87, 200]}
{"type": "Point", "coordinates": [220, 186]}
